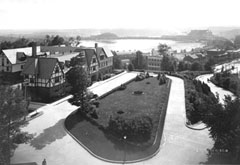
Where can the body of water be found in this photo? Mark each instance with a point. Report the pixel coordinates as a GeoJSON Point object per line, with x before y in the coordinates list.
{"type": "Point", "coordinates": [144, 45]}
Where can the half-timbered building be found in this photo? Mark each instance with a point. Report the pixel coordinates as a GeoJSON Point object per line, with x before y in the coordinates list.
{"type": "Point", "coordinates": [45, 77]}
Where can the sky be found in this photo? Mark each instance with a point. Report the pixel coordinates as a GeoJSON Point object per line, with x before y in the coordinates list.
{"type": "Point", "coordinates": [110, 14]}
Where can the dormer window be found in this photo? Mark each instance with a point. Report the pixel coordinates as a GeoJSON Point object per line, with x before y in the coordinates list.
{"type": "Point", "coordinates": [94, 60]}
{"type": "Point", "coordinates": [101, 57]}
{"type": "Point", "coordinates": [21, 56]}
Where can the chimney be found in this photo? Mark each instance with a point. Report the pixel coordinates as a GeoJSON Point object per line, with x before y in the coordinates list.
{"type": "Point", "coordinates": [34, 49]}
{"type": "Point", "coordinates": [96, 45]}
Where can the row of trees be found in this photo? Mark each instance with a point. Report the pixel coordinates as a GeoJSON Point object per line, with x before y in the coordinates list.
{"type": "Point", "coordinates": [53, 40]}
{"type": "Point", "coordinates": [24, 42]}
{"type": "Point", "coordinates": [19, 43]}
{"type": "Point", "coordinates": [225, 44]}
{"type": "Point", "coordinates": [222, 120]}
{"type": "Point", "coordinates": [227, 81]}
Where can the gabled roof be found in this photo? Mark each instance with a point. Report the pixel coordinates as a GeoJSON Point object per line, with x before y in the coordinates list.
{"type": "Point", "coordinates": [89, 53]}
{"type": "Point", "coordinates": [99, 51]}
{"type": "Point", "coordinates": [107, 52]}
{"type": "Point", "coordinates": [11, 54]}
{"type": "Point", "coordinates": [43, 67]}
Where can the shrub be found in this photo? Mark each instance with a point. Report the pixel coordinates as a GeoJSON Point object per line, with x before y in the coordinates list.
{"type": "Point", "coordinates": [122, 87]}
{"type": "Point", "coordinates": [162, 79]}
{"type": "Point", "coordinates": [139, 77]}
{"type": "Point", "coordinates": [137, 129]}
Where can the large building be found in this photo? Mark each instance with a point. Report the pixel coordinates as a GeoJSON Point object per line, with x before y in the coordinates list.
{"type": "Point", "coordinates": [98, 61]}
{"type": "Point", "coordinates": [13, 60]}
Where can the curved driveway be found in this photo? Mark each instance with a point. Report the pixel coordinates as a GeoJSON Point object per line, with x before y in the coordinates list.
{"type": "Point", "coordinates": [215, 89]}
{"type": "Point", "coordinates": [181, 145]}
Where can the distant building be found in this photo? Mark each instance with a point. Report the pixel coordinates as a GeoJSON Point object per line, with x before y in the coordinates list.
{"type": "Point", "coordinates": [214, 52]}
{"type": "Point", "coordinates": [200, 35]}
{"type": "Point", "coordinates": [154, 63]}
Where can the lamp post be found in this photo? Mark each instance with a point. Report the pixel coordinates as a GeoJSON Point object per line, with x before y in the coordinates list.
{"type": "Point", "coordinates": [124, 156]}
{"type": "Point", "coordinates": [26, 83]}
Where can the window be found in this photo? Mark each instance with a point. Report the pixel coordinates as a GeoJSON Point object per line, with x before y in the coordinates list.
{"type": "Point", "coordinates": [57, 70]}
{"type": "Point", "coordinates": [7, 68]}
{"type": "Point", "coordinates": [22, 66]}
{"type": "Point", "coordinates": [7, 61]}
{"type": "Point", "coordinates": [31, 80]}
{"type": "Point", "coordinates": [101, 57]}
{"type": "Point", "coordinates": [94, 68]}
{"type": "Point", "coordinates": [94, 60]}
{"type": "Point", "coordinates": [57, 79]}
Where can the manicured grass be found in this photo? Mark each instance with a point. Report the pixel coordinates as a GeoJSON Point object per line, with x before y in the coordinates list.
{"type": "Point", "coordinates": [92, 134]}
{"type": "Point", "coordinates": [150, 103]}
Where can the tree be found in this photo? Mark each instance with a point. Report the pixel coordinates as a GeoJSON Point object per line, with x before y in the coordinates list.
{"type": "Point", "coordinates": [221, 43]}
{"type": "Point", "coordinates": [181, 66]}
{"type": "Point", "coordinates": [137, 129]}
{"type": "Point", "coordinates": [13, 110]}
{"type": "Point", "coordinates": [196, 66]}
{"type": "Point", "coordinates": [20, 43]}
{"type": "Point", "coordinates": [139, 62]}
{"type": "Point", "coordinates": [78, 38]}
{"type": "Point", "coordinates": [163, 48]}
{"type": "Point", "coordinates": [6, 45]}
{"type": "Point", "coordinates": [57, 40]}
{"type": "Point", "coordinates": [78, 79]}
{"type": "Point", "coordinates": [117, 64]}
{"type": "Point", "coordinates": [237, 41]}
{"type": "Point", "coordinates": [208, 65]}
{"type": "Point", "coordinates": [167, 63]}
{"type": "Point", "coordinates": [47, 40]}
{"type": "Point", "coordinates": [130, 67]}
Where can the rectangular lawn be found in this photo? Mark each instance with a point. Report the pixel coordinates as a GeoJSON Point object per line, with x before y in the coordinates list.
{"type": "Point", "coordinates": [149, 103]}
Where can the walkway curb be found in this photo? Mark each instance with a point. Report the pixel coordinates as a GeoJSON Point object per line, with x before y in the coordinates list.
{"type": "Point", "coordinates": [127, 161]}
{"type": "Point", "coordinates": [185, 123]}
{"type": "Point", "coordinates": [112, 78]}
{"type": "Point", "coordinates": [61, 100]}
{"type": "Point", "coordinates": [192, 127]}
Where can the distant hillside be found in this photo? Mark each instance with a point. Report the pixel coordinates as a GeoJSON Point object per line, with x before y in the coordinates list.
{"type": "Point", "coordinates": [104, 36]}
{"type": "Point", "coordinates": [231, 34]}
{"type": "Point", "coordinates": [88, 32]}
{"type": "Point", "coordinates": [226, 32]}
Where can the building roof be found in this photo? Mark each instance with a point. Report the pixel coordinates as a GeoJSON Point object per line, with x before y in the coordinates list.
{"type": "Point", "coordinates": [193, 56]}
{"type": "Point", "coordinates": [60, 49]}
{"type": "Point", "coordinates": [11, 54]}
{"type": "Point", "coordinates": [107, 52]}
{"type": "Point", "coordinates": [63, 57]}
{"type": "Point", "coordinates": [43, 67]}
{"type": "Point", "coordinates": [89, 53]}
